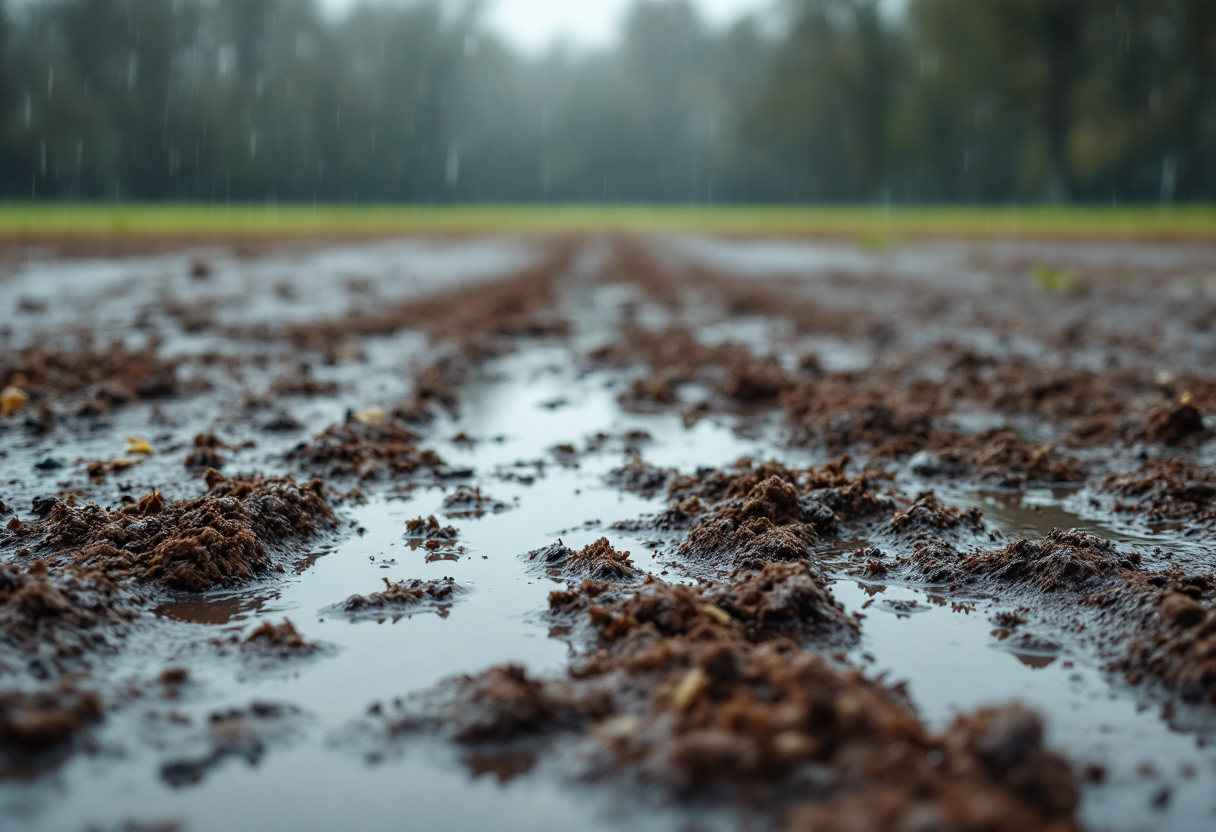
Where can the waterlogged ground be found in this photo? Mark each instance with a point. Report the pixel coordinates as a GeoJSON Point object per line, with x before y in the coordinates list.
{"type": "Point", "coordinates": [726, 412]}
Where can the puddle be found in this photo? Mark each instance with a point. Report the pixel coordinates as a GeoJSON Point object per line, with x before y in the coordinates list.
{"type": "Point", "coordinates": [952, 663]}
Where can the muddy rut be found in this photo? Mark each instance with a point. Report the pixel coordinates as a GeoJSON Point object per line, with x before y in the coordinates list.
{"type": "Point", "coordinates": [610, 532]}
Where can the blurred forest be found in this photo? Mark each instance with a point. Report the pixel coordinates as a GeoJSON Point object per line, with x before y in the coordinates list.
{"type": "Point", "coordinates": [842, 100]}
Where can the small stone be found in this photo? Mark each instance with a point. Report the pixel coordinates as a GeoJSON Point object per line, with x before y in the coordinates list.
{"type": "Point", "coordinates": [925, 464]}
{"type": "Point", "coordinates": [48, 464]}
{"type": "Point", "coordinates": [44, 503]}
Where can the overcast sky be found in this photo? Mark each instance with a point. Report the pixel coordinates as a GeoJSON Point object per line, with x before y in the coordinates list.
{"type": "Point", "coordinates": [535, 24]}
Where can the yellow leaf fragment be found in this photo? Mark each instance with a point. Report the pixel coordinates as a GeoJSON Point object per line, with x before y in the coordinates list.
{"type": "Point", "coordinates": [12, 399]}
{"type": "Point", "coordinates": [1186, 399]}
{"type": "Point", "coordinates": [370, 415]}
{"type": "Point", "coordinates": [135, 445]}
{"type": "Point", "coordinates": [690, 687]}
{"type": "Point", "coordinates": [717, 614]}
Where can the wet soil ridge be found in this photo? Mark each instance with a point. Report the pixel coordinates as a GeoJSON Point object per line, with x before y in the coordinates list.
{"type": "Point", "coordinates": [478, 322]}
{"type": "Point", "coordinates": [466, 327]}
{"type": "Point", "coordinates": [51, 619]}
{"type": "Point", "coordinates": [230, 534]}
{"type": "Point", "coordinates": [1174, 489]}
{"type": "Point", "coordinates": [1174, 646]}
{"type": "Point", "coordinates": [907, 400]}
{"type": "Point", "coordinates": [696, 693]}
{"type": "Point", "coordinates": [1152, 627]}
{"type": "Point", "coordinates": [90, 380]}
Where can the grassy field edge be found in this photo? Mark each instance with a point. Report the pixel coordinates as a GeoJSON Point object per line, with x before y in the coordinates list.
{"type": "Point", "coordinates": [36, 219]}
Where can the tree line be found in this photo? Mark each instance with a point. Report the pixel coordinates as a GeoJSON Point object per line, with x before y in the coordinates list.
{"type": "Point", "coordinates": [844, 100]}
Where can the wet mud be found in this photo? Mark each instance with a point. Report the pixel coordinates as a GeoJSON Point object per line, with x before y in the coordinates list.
{"type": "Point", "coordinates": [657, 532]}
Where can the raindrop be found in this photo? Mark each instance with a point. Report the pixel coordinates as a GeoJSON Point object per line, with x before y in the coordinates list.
{"type": "Point", "coordinates": [132, 69]}
{"type": "Point", "coordinates": [50, 81]}
{"type": "Point", "coordinates": [253, 142]}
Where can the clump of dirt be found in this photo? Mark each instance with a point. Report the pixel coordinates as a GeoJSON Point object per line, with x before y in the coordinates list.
{"type": "Point", "coordinates": [51, 618]}
{"type": "Point", "coordinates": [756, 381]}
{"type": "Point", "coordinates": [1173, 489]}
{"type": "Point", "coordinates": [648, 390]}
{"type": "Point", "coordinates": [37, 727]}
{"type": "Point", "coordinates": [464, 501]}
{"type": "Point", "coordinates": [91, 380]}
{"type": "Point", "coordinates": [598, 561]}
{"type": "Point", "coordinates": [366, 450]}
{"type": "Point", "coordinates": [1064, 561]}
{"type": "Point", "coordinates": [403, 597]}
{"type": "Point", "coordinates": [281, 639]}
{"type": "Point", "coordinates": [206, 453]}
{"type": "Point", "coordinates": [1176, 646]}
{"type": "Point", "coordinates": [713, 485]}
{"type": "Point", "coordinates": [221, 538]}
{"type": "Point", "coordinates": [429, 529]}
{"type": "Point", "coordinates": [780, 517]}
{"type": "Point", "coordinates": [926, 517]}
{"type": "Point", "coordinates": [1174, 424]}
{"type": "Point", "coordinates": [769, 524]}
{"type": "Point", "coordinates": [640, 477]}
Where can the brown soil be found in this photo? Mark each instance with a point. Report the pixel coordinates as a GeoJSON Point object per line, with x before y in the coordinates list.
{"type": "Point", "coordinates": [681, 700]}
{"type": "Point", "coordinates": [999, 458]}
{"type": "Point", "coordinates": [281, 639]}
{"type": "Point", "coordinates": [641, 478]}
{"type": "Point", "coordinates": [35, 724]}
{"type": "Point", "coordinates": [1172, 489]}
{"type": "Point", "coordinates": [226, 536]}
{"type": "Point", "coordinates": [90, 380]}
{"type": "Point", "coordinates": [206, 453]}
{"type": "Point", "coordinates": [1067, 561]}
{"type": "Point", "coordinates": [51, 618]}
{"type": "Point", "coordinates": [776, 519]}
{"type": "Point", "coordinates": [464, 501]}
{"type": "Point", "coordinates": [597, 561]}
{"type": "Point", "coordinates": [778, 600]}
{"type": "Point", "coordinates": [479, 322]}
{"type": "Point", "coordinates": [380, 448]}
{"type": "Point", "coordinates": [927, 518]}
{"type": "Point", "coordinates": [1176, 646]}
{"type": "Point", "coordinates": [429, 529]}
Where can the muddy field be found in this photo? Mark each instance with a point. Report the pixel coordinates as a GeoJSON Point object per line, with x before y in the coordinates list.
{"type": "Point", "coordinates": [609, 532]}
